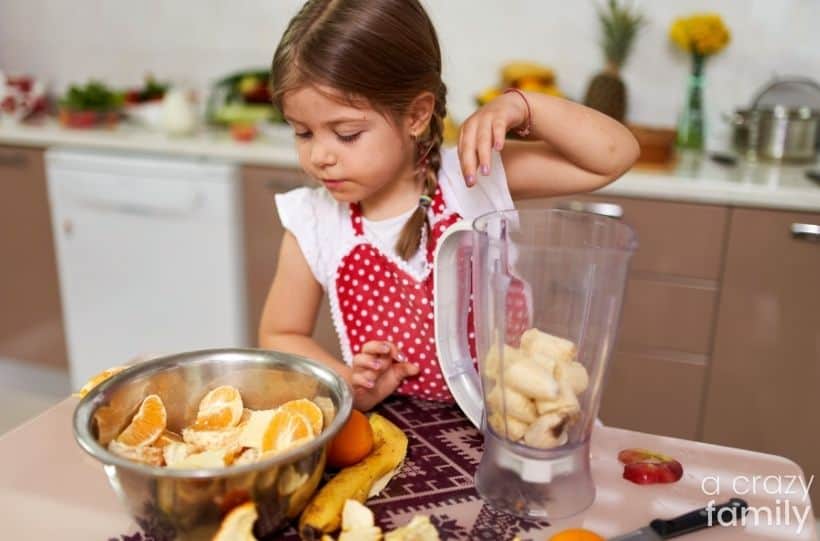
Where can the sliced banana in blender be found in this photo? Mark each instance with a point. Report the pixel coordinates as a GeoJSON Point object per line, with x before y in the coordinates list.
{"type": "Point", "coordinates": [530, 379]}
{"type": "Point", "coordinates": [506, 400]}
{"type": "Point", "coordinates": [538, 343]}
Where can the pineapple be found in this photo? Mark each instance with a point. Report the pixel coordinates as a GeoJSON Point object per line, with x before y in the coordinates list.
{"type": "Point", "coordinates": [606, 91]}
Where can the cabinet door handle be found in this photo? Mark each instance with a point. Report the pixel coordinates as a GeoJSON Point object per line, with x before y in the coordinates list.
{"type": "Point", "coordinates": [16, 160]}
{"type": "Point", "coordinates": [137, 209]}
{"type": "Point", "coordinates": [609, 210]}
{"type": "Point", "coordinates": [806, 231]}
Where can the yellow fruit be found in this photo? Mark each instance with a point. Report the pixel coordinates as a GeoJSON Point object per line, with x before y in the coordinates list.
{"type": "Point", "coordinates": [307, 409]}
{"type": "Point", "coordinates": [324, 513]}
{"type": "Point", "coordinates": [221, 408]}
{"type": "Point", "coordinates": [97, 379]}
{"type": "Point", "coordinates": [488, 95]}
{"type": "Point", "coordinates": [530, 82]}
{"type": "Point", "coordinates": [514, 71]}
{"type": "Point", "coordinates": [147, 425]}
{"type": "Point", "coordinates": [248, 84]}
{"type": "Point", "coordinates": [238, 524]}
{"type": "Point", "coordinates": [576, 534]}
{"type": "Point", "coordinates": [286, 430]}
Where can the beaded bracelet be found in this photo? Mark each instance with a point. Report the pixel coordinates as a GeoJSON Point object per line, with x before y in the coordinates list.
{"type": "Point", "coordinates": [527, 128]}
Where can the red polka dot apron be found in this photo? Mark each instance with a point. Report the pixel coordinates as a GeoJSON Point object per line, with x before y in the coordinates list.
{"type": "Point", "coordinates": [380, 300]}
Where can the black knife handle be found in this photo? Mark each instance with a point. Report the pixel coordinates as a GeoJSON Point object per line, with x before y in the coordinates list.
{"type": "Point", "coordinates": [697, 520]}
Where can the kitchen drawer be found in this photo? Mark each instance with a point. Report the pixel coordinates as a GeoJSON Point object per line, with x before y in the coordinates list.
{"type": "Point", "coordinates": [31, 324]}
{"type": "Point", "coordinates": [679, 239]}
{"type": "Point", "coordinates": [667, 314]}
{"type": "Point", "coordinates": [653, 394]}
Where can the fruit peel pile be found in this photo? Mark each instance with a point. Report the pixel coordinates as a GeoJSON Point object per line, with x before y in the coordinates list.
{"type": "Point", "coordinates": [532, 396]}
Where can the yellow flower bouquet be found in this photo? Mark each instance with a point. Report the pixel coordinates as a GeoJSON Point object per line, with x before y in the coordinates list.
{"type": "Point", "coordinates": [701, 35]}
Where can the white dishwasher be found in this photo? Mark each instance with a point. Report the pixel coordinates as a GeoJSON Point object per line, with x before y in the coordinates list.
{"type": "Point", "coordinates": [149, 253]}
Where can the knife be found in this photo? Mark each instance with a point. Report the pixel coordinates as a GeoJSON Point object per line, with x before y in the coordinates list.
{"type": "Point", "coordinates": [693, 521]}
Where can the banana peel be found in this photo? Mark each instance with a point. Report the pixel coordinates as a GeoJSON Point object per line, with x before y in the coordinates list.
{"type": "Point", "coordinates": [324, 512]}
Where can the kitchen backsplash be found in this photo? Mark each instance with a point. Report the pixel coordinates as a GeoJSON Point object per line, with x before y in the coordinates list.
{"type": "Point", "coordinates": [194, 42]}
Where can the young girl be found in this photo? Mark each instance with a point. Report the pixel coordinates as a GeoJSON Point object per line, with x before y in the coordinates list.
{"type": "Point", "coordinates": [360, 83]}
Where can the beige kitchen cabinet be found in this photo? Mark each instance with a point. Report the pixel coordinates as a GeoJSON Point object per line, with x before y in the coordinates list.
{"type": "Point", "coordinates": [262, 237]}
{"type": "Point", "coordinates": [765, 370]}
{"type": "Point", "coordinates": [658, 369]}
{"type": "Point", "coordinates": [31, 326]}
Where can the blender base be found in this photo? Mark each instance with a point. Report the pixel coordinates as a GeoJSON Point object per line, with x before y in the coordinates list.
{"type": "Point", "coordinates": [537, 485]}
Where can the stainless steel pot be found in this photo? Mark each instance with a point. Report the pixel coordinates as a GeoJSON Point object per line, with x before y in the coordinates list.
{"type": "Point", "coordinates": [777, 133]}
{"type": "Point", "coordinates": [782, 123]}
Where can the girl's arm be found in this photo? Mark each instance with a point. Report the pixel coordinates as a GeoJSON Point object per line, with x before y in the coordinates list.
{"type": "Point", "coordinates": [572, 148]}
{"type": "Point", "coordinates": [291, 308]}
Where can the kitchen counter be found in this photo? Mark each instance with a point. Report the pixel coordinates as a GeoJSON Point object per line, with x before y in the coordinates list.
{"type": "Point", "coordinates": [693, 178]}
{"type": "Point", "coordinates": [273, 147]}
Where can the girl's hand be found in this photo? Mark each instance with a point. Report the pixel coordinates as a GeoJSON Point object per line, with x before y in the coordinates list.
{"type": "Point", "coordinates": [378, 371]}
{"type": "Point", "coordinates": [485, 130]}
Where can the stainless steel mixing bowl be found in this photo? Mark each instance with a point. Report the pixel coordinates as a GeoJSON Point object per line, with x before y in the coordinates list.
{"type": "Point", "coordinates": [179, 504]}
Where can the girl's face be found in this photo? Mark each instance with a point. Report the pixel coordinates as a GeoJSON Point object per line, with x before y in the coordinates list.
{"type": "Point", "coordinates": [355, 152]}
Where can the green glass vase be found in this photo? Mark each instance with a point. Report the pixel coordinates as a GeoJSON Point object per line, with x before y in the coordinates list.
{"type": "Point", "coordinates": [692, 123]}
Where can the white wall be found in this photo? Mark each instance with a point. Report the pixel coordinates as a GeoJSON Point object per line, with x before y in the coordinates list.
{"type": "Point", "coordinates": [195, 42]}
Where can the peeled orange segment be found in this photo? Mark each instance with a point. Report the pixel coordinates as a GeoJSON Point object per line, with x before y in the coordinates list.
{"type": "Point", "coordinates": [286, 430]}
{"type": "Point", "coordinates": [254, 430]}
{"type": "Point", "coordinates": [309, 410]}
{"type": "Point", "coordinates": [167, 437]}
{"type": "Point", "coordinates": [328, 410]}
{"type": "Point", "coordinates": [238, 524]}
{"type": "Point", "coordinates": [212, 439]}
{"type": "Point", "coordinates": [145, 454]}
{"type": "Point", "coordinates": [147, 425]}
{"type": "Point", "coordinates": [205, 459]}
{"type": "Point", "coordinates": [221, 408]}
{"type": "Point", "coordinates": [248, 456]}
{"type": "Point", "coordinates": [97, 379]}
{"type": "Point", "coordinates": [175, 452]}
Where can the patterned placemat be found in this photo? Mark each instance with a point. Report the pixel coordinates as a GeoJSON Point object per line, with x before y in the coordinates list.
{"type": "Point", "coordinates": [437, 479]}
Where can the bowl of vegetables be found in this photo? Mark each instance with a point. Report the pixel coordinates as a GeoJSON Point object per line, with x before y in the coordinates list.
{"type": "Point", "coordinates": [91, 105]}
{"type": "Point", "coordinates": [143, 105]}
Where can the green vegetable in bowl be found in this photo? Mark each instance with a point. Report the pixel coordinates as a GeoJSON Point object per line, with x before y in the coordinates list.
{"type": "Point", "coordinates": [94, 96]}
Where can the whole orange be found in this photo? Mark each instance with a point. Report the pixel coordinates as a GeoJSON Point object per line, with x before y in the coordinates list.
{"type": "Point", "coordinates": [576, 534]}
{"type": "Point", "coordinates": [353, 442]}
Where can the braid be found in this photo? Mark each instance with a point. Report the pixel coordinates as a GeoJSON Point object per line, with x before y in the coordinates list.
{"type": "Point", "coordinates": [428, 163]}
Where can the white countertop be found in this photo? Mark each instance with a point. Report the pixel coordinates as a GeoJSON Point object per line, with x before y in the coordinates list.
{"type": "Point", "coordinates": [694, 178]}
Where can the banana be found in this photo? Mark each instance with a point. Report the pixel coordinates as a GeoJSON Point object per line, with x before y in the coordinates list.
{"type": "Point", "coordinates": [324, 513]}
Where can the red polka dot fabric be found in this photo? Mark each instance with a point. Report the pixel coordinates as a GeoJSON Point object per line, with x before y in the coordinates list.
{"type": "Point", "coordinates": [379, 300]}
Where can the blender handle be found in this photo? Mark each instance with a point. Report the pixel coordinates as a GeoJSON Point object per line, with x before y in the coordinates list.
{"type": "Point", "coordinates": [450, 290]}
